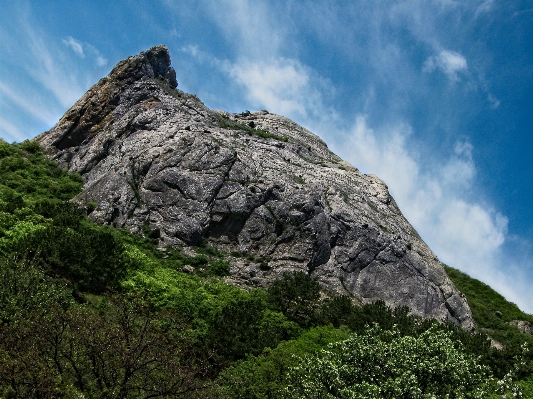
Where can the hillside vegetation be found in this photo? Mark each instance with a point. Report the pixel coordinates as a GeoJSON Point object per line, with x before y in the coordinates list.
{"type": "Point", "coordinates": [493, 315]}
{"type": "Point", "coordinates": [89, 311]}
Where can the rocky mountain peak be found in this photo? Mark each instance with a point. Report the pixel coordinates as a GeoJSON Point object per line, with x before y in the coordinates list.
{"type": "Point", "coordinates": [94, 109]}
{"type": "Point", "coordinates": [153, 63]}
{"type": "Point", "coordinates": [157, 161]}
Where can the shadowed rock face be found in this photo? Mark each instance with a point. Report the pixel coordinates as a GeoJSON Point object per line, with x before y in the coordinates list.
{"type": "Point", "coordinates": [153, 156]}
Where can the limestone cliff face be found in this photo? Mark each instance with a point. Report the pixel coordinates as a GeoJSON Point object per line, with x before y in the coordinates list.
{"type": "Point", "coordinates": [153, 157]}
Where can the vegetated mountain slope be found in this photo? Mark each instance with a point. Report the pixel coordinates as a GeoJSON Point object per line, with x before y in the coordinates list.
{"type": "Point", "coordinates": [493, 314]}
{"type": "Point", "coordinates": [157, 161]}
{"type": "Point", "coordinates": [77, 297]}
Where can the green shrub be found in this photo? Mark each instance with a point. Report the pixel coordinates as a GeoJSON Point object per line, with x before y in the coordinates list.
{"type": "Point", "coordinates": [296, 295]}
{"type": "Point", "coordinates": [90, 257]}
{"type": "Point", "coordinates": [235, 330]}
{"type": "Point", "coordinates": [219, 267]}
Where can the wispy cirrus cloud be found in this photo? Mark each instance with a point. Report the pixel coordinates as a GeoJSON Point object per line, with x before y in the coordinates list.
{"type": "Point", "coordinates": [75, 45]}
{"type": "Point", "coordinates": [485, 7]}
{"type": "Point", "coordinates": [250, 26]}
{"type": "Point", "coordinates": [54, 71]}
{"type": "Point", "coordinates": [451, 63]}
{"type": "Point", "coordinates": [33, 107]}
{"type": "Point", "coordinates": [12, 131]}
{"type": "Point", "coordinates": [82, 49]}
{"type": "Point", "coordinates": [49, 66]}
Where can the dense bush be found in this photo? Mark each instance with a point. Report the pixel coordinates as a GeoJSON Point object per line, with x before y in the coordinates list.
{"type": "Point", "coordinates": [384, 364]}
{"type": "Point", "coordinates": [296, 295]}
{"type": "Point", "coordinates": [245, 327]}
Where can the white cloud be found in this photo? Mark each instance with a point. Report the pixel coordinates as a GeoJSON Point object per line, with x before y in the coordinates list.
{"type": "Point", "coordinates": [278, 85]}
{"type": "Point", "coordinates": [191, 49]}
{"type": "Point", "coordinates": [82, 48]}
{"type": "Point", "coordinates": [99, 59]}
{"type": "Point", "coordinates": [249, 25]}
{"type": "Point", "coordinates": [449, 62]}
{"type": "Point", "coordinates": [287, 87]}
{"type": "Point", "coordinates": [459, 171]}
{"type": "Point", "coordinates": [75, 45]}
{"type": "Point", "coordinates": [494, 102]}
{"type": "Point", "coordinates": [484, 7]}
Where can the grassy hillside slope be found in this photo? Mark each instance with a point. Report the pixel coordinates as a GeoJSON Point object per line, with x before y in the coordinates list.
{"type": "Point", "coordinates": [492, 312]}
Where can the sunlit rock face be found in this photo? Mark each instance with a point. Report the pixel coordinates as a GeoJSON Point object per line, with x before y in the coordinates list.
{"type": "Point", "coordinates": [157, 160]}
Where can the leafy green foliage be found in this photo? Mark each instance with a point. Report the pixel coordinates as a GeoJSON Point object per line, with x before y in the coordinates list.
{"type": "Point", "coordinates": [226, 123]}
{"type": "Point", "coordinates": [295, 295]}
{"type": "Point", "coordinates": [235, 329]}
{"type": "Point", "coordinates": [245, 327]}
{"type": "Point", "coordinates": [384, 364]}
{"type": "Point", "coordinates": [55, 237]}
{"type": "Point", "coordinates": [26, 172]}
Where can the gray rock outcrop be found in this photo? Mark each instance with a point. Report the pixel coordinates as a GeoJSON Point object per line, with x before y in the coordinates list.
{"type": "Point", "coordinates": [157, 159]}
{"type": "Point", "coordinates": [523, 326]}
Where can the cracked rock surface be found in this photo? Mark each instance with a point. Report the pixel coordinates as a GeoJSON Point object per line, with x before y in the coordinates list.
{"type": "Point", "coordinates": [153, 157]}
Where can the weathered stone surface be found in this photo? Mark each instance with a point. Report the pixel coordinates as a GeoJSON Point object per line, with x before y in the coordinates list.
{"type": "Point", "coordinates": [523, 325]}
{"type": "Point", "coordinates": [257, 183]}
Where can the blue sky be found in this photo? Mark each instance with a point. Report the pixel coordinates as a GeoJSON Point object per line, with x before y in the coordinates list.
{"type": "Point", "coordinates": [435, 97]}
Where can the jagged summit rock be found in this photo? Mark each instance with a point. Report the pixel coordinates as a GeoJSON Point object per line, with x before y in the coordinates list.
{"type": "Point", "coordinates": [157, 160]}
{"type": "Point", "coordinates": [94, 109]}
